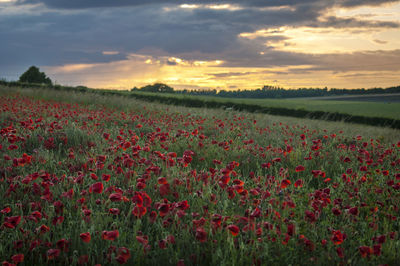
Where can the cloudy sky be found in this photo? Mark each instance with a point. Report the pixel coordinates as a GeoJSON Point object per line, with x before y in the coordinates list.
{"type": "Point", "coordinates": [222, 44]}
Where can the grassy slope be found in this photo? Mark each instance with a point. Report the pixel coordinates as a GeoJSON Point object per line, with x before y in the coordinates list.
{"type": "Point", "coordinates": [125, 104]}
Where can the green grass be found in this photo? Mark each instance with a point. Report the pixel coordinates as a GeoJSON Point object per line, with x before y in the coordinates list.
{"type": "Point", "coordinates": [370, 109]}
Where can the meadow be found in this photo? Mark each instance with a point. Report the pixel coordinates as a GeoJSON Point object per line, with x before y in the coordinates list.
{"type": "Point", "coordinates": [89, 179]}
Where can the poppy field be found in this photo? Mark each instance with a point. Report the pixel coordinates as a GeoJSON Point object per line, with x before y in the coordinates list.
{"type": "Point", "coordinates": [86, 180]}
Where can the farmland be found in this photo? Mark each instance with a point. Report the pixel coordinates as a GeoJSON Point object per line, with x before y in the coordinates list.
{"type": "Point", "coordinates": [346, 105]}
{"type": "Point", "coordinates": [387, 98]}
{"type": "Point", "coordinates": [90, 179]}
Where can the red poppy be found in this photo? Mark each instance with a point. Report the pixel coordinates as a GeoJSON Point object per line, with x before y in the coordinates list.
{"type": "Point", "coordinates": [142, 240]}
{"type": "Point", "coordinates": [12, 221]}
{"type": "Point", "coordinates": [53, 253]}
{"type": "Point", "coordinates": [12, 147]}
{"type": "Point", "coordinates": [110, 235]}
{"type": "Point", "coordinates": [233, 229]}
{"type": "Point", "coordinates": [285, 183]}
{"type": "Point", "coordinates": [5, 210]}
{"type": "Point", "coordinates": [62, 244]}
{"type": "Point", "coordinates": [172, 154]}
{"type": "Point", "coordinates": [6, 263]}
{"type": "Point", "coordinates": [153, 216]}
{"type": "Point", "coordinates": [377, 249]}
{"type": "Point", "coordinates": [162, 244]}
{"type": "Point", "coordinates": [163, 209]}
{"type": "Point", "coordinates": [290, 229]}
{"type": "Point", "coordinates": [140, 185]}
{"type": "Point", "coordinates": [298, 183]}
{"type": "Point", "coordinates": [299, 168]}
{"type": "Point", "coordinates": [123, 255]}
{"type": "Point", "coordinates": [106, 135]}
{"type": "Point", "coordinates": [105, 177]}
{"type": "Point", "coordinates": [337, 237]}
{"type": "Point", "coordinates": [201, 235]}
{"type": "Point", "coordinates": [146, 199]}
{"type": "Point", "coordinates": [58, 220]}
{"type": "Point", "coordinates": [58, 206]}
{"type": "Point", "coordinates": [256, 213]}
{"type": "Point", "coordinates": [353, 211]}
{"type": "Point", "coordinates": [336, 211]}
{"type": "Point", "coordinates": [380, 239]}
{"type": "Point", "coordinates": [183, 205]}
{"type": "Point", "coordinates": [139, 211]}
{"type": "Point", "coordinates": [115, 197]}
{"type": "Point", "coordinates": [85, 237]}
{"type": "Point", "coordinates": [114, 211]}
{"type": "Point", "coordinates": [164, 189]}
{"type": "Point", "coordinates": [18, 258]}
{"type": "Point", "coordinates": [310, 216]}
{"type": "Point", "coordinates": [43, 229]}
{"type": "Point", "coordinates": [162, 180]}
{"type": "Point", "coordinates": [340, 252]}
{"type": "Point", "coordinates": [276, 160]}
{"type": "Point", "coordinates": [365, 251]}
{"type": "Point", "coordinates": [96, 188]}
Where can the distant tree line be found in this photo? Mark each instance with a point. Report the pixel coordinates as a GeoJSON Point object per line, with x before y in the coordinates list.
{"type": "Point", "coordinates": [270, 92]}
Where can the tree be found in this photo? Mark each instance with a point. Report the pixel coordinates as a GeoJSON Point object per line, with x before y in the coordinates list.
{"type": "Point", "coordinates": [33, 75]}
{"type": "Point", "coordinates": [157, 87]}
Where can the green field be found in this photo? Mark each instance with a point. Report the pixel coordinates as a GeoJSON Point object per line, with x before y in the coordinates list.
{"type": "Point", "coordinates": [371, 109]}
{"type": "Point", "coordinates": [385, 98]}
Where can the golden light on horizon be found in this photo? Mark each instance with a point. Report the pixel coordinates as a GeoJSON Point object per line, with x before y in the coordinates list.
{"type": "Point", "coordinates": [136, 71]}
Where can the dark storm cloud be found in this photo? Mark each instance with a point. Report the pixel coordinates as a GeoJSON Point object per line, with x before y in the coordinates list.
{"type": "Point", "coordinates": [57, 37]}
{"type": "Point", "coordinates": [49, 39]}
{"type": "Point", "coordinates": [335, 22]}
{"type": "Point", "coordinates": [76, 4]}
{"type": "Point", "coordinates": [71, 32]}
{"type": "Point", "coordinates": [365, 61]}
{"type": "Point", "coordinates": [353, 3]}
{"type": "Point", "coordinates": [229, 74]}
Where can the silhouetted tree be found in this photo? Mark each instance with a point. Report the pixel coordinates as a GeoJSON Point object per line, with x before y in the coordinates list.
{"type": "Point", "coordinates": [33, 75]}
{"type": "Point", "coordinates": [157, 87]}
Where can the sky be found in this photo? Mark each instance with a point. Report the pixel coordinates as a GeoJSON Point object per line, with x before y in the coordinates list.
{"type": "Point", "coordinates": [208, 44]}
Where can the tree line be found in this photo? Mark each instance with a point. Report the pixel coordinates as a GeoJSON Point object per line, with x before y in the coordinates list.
{"type": "Point", "coordinates": [269, 92]}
